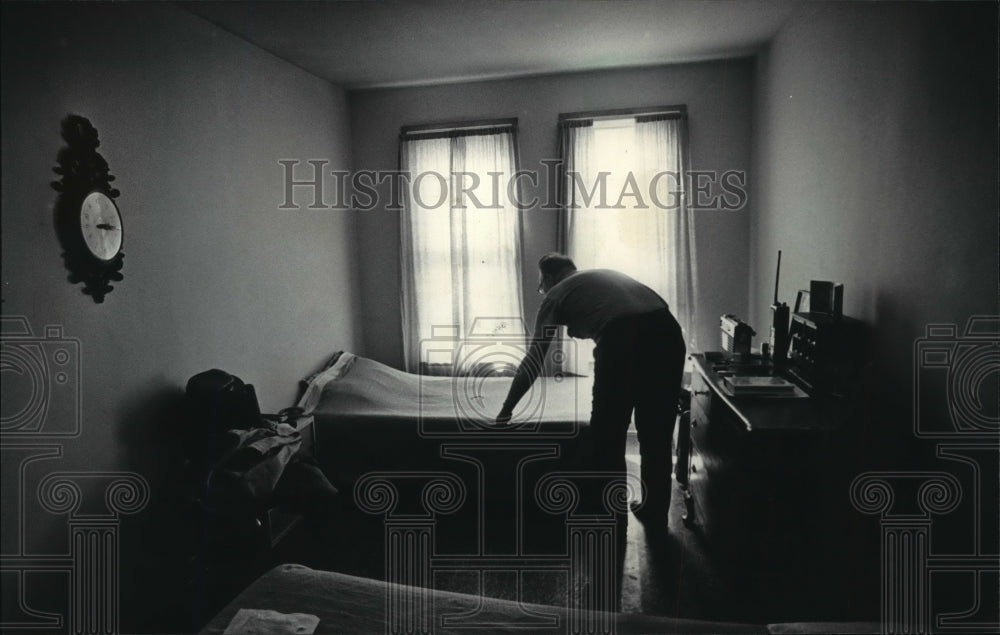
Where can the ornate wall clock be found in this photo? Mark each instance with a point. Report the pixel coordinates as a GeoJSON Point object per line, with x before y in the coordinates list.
{"type": "Point", "coordinates": [88, 222]}
{"type": "Point", "coordinates": [101, 226]}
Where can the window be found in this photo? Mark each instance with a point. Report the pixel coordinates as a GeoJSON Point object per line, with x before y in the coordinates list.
{"type": "Point", "coordinates": [461, 244]}
{"type": "Point", "coordinates": [625, 208]}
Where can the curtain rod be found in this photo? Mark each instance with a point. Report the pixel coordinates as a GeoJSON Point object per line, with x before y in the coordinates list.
{"type": "Point", "coordinates": [461, 127]}
{"type": "Point", "coordinates": [621, 113]}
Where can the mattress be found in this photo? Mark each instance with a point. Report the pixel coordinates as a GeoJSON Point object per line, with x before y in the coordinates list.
{"type": "Point", "coordinates": [371, 418]}
{"type": "Point", "coordinates": [359, 388]}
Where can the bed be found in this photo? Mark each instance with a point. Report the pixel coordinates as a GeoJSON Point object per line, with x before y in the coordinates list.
{"type": "Point", "coordinates": [370, 418]}
{"type": "Point", "coordinates": [348, 604]}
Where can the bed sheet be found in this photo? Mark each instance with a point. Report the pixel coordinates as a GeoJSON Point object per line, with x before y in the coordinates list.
{"type": "Point", "coordinates": [370, 418]}
{"type": "Point", "coordinates": [360, 388]}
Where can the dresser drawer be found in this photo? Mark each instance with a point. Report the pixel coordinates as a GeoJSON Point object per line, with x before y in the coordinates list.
{"type": "Point", "coordinates": [717, 483]}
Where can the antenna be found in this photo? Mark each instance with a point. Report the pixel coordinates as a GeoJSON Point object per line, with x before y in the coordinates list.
{"type": "Point", "coordinates": [777, 275]}
{"type": "Point", "coordinates": [779, 323]}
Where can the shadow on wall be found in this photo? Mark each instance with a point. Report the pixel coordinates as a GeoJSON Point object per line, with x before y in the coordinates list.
{"type": "Point", "coordinates": [153, 558]}
{"type": "Point", "coordinates": [888, 433]}
{"type": "Point", "coordinates": [86, 219]}
{"type": "Point", "coordinates": [931, 464]}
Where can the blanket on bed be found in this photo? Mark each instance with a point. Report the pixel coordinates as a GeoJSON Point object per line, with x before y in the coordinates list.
{"type": "Point", "coordinates": [362, 388]}
{"type": "Point", "coordinates": [370, 417]}
{"type": "Point", "coordinates": [348, 604]}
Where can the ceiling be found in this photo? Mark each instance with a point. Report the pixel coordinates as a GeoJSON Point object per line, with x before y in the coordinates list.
{"type": "Point", "coordinates": [366, 44]}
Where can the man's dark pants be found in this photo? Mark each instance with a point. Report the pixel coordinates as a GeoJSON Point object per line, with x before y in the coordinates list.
{"type": "Point", "coordinates": [638, 366]}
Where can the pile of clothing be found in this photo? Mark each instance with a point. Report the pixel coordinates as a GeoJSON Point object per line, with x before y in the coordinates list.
{"type": "Point", "coordinates": [243, 462]}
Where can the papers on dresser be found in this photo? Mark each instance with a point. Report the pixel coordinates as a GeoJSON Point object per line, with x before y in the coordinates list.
{"type": "Point", "coordinates": [761, 386]}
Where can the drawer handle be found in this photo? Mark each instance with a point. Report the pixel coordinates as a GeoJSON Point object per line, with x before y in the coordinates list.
{"type": "Point", "coordinates": [701, 392]}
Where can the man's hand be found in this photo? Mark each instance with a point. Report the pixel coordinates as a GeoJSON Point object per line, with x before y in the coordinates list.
{"type": "Point", "coordinates": [527, 371]}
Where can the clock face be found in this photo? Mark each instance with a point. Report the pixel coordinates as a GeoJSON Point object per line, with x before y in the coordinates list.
{"type": "Point", "coordinates": [101, 225]}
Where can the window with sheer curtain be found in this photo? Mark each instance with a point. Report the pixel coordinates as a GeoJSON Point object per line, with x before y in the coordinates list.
{"type": "Point", "coordinates": [626, 209]}
{"type": "Point", "coordinates": [460, 249]}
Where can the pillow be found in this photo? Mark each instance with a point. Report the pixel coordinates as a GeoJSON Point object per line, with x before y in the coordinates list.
{"type": "Point", "coordinates": [337, 368]}
{"type": "Point", "coordinates": [329, 364]}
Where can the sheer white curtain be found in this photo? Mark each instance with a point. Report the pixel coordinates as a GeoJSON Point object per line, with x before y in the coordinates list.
{"type": "Point", "coordinates": [661, 151]}
{"type": "Point", "coordinates": [638, 222]}
{"type": "Point", "coordinates": [460, 249]}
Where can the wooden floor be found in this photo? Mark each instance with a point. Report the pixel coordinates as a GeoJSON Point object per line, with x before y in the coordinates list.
{"type": "Point", "coordinates": [664, 571]}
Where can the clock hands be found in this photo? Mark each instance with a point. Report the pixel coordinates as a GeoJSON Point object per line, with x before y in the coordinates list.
{"type": "Point", "coordinates": [106, 226]}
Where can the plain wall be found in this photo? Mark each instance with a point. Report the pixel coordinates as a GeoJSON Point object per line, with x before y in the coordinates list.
{"type": "Point", "coordinates": [875, 155]}
{"type": "Point", "coordinates": [719, 99]}
{"type": "Point", "coordinates": [192, 122]}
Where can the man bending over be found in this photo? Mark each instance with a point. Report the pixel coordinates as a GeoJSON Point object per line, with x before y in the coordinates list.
{"type": "Point", "coordinates": [638, 366]}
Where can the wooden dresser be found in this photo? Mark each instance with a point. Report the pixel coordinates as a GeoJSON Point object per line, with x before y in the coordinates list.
{"type": "Point", "coordinates": [766, 478]}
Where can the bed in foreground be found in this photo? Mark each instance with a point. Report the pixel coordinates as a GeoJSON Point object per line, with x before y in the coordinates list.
{"type": "Point", "coordinates": [348, 604]}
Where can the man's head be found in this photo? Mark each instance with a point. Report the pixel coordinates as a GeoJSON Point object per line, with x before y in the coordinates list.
{"type": "Point", "coordinates": [553, 267]}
